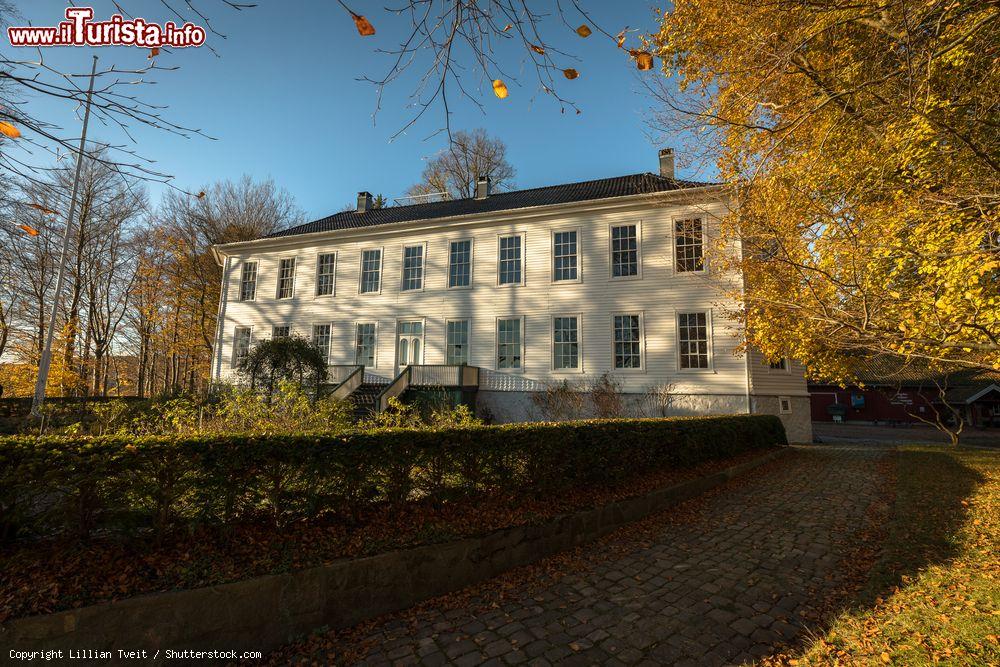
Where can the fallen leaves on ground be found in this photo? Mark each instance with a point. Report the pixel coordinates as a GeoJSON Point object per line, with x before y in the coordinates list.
{"type": "Point", "coordinates": [351, 646]}
{"type": "Point", "coordinates": [934, 596]}
{"type": "Point", "coordinates": [47, 575]}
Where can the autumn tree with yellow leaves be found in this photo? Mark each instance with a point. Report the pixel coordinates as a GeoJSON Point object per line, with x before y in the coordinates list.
{"type": "Point", "coordinates": [863, 142]}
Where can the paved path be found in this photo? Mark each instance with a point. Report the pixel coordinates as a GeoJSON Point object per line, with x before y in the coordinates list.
{"type": "Point", "coordinates": [857, 433]}
{"type": "Point", "coordinates": [721, 581]}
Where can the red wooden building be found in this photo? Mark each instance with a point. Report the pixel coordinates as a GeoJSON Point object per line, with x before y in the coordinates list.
{"type": "Point", "coordinates": [890, 390]}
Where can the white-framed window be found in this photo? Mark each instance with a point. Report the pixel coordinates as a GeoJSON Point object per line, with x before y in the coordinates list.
{"type": "Point", "coordinates": [779, 365]}
{"type": "Point", "coordinates": [248, 281]}
{"type": "Point", "coordinates": [371, 271]}
{"type": "Point", "coordinates": [286, 278]}
{"type": "Point", "coordinates": [510, 260]}
{"type": "Point", "coordinates": [627, 337]}
{"type": "Point", "coordinates": [457, 343]}
{"type": "Point", "coordinates": [241, 344]}
{"type": "Point", "coordinates": [693, 341]}
{"type": "Point", "coordinates": [281, 331]}
{"type": "Point", "coordinates": [413, 268]}
{"type": "Point", "coordinates": [321, 338]}
{"type": "Point", "coordinates": [510, 343]}
{"type": "Point", "coordinates": [624, 251]}
{"type": "Point", "coordinates": [365, 340]}
{"type": "Point", "coordinates": [689, 245]}
{"type": "Point", "coordinates": [326, 274]}
{"type": "Point", "coordinates": [566, 343]}
{"type": "Point", "coordinates": [565, 256]}
{"type": "Point", "coordinates": [460, 263]}
{"type": "Point", "coordinates": [784, 405]}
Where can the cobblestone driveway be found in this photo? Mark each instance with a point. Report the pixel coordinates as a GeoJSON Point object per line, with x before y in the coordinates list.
{"type": "Point", "coordinates": [722, 581]}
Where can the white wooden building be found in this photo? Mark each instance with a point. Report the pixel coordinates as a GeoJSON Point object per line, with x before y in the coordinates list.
{"type": "Point", "coordinates": [506, 293]}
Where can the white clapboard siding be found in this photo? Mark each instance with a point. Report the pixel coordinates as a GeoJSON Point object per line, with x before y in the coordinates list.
{"type": "Point", "coordinates": [658, 295]}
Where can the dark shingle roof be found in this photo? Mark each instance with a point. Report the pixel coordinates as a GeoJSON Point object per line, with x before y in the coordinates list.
{"type": "Point", "coordinates": [619, 186]}
{"type": "Point", "coordinates": [888, 370]}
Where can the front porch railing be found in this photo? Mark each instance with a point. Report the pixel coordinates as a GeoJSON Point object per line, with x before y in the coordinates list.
{"type": "Point", "coordinates": [347, 379]}
{"type": "Point", "coordinates": [429, 375]}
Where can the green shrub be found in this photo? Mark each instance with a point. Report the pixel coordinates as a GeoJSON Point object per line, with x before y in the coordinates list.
{"type": "Point", "coordinates": [62, 485]}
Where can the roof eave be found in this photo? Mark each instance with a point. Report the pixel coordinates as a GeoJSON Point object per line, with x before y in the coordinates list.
{"type": "Point", "coordinates": [527, 211]}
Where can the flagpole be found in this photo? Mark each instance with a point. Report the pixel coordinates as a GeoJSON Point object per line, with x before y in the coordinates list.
{"type": "Point", "coordinates": [46, 360]}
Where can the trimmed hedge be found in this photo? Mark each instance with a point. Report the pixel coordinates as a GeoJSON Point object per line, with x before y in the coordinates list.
{"type": "Point", "coordinates": [76, 486]}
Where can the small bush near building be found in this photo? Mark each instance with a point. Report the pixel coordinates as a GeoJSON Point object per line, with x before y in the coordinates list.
{"type": "Point", "coordinates": [76, 485]}
{"type": "Point", "coordinates": [606, 395]}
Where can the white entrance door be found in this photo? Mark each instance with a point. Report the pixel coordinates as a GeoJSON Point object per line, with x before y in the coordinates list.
{"type": "Point", "coordinates": [410, 344]}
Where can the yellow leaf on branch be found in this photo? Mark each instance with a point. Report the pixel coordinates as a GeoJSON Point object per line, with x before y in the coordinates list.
{"type": "Point", "coordinates": [9, 130]}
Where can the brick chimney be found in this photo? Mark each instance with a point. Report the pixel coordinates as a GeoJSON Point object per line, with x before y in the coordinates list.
{"type": "Point", "coordinates": [483, 186]}
{"type": "Point", "coordinates": [667, 162]}
{"type": "Point", "coordinates": [364, 201]}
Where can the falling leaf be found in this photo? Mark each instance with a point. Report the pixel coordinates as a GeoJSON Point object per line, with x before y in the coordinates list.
{"type": "Point", "coordinates": [365, 28]}
{"type": "Point", "coordinates": [9, 130]}
{"type": "Point", "coordinates": [500, 88]}
{"type": "Point", "coordinates": [644, 60]}
{"type": "Point", "coordinates": [31, 230]}
{"type": "Point", "coordinates": [47, 211]}
{"type": "Point", "coordinates": [584, 30]}
{"type": "Point", "coordinates": [153, 52]}
{"type": "Point", "coordinates": [200, 195]}
{"type": "Point", "coordinates": [570, 73]}
{"type": "Point", "coordinates": [537, 49]}
{"type": "Point", "coordinates": [507, 27]}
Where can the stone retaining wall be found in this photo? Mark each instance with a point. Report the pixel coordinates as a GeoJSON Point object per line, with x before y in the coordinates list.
{"type": "Point", "coordinates": [264, 613]}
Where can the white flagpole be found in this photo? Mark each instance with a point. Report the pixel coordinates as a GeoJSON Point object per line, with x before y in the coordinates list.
{"type": "Point", "coordinates": [46, 360]}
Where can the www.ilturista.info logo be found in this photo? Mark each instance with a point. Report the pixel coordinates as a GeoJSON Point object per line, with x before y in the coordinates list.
{"type": "Point", "coordinates": [79, 30]}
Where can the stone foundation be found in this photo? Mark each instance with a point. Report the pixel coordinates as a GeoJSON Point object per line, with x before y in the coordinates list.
{"type": "Point", "coordinates": [798, 422]}
{"type": "Point", "coordinates": [517, 406]}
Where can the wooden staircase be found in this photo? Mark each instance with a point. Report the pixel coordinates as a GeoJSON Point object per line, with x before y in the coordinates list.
{"type": "Point", "coordinates": [365, 399]}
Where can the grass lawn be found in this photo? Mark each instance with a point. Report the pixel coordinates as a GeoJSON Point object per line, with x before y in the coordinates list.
{"type": "Point", "coordinates": [934, 596]}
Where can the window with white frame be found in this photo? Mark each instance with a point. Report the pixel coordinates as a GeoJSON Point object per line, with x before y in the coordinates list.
{"type": "Point", "coordinates": [565, 256]}
{"type": "Point", "coordinates": [241, 345]}
{"type": "Point", "coordinates": [457, 345]}
{"type": "Point", "coordinates": [286, 278]}
{"type": "Point", "coordinates": [371, 270]}
{"type": "Point", "coordinates": [627, 341]}
{"type": "Point", "coordinates": [509, 267]}
{"type": "Point", "coordinates": [248, 281]}
{"type": "Point", "coordinates": [779, 365]}
{"type": "Point", "coordinates": [460, 264]}
{"type": "Point", "coordinates": [326, 274]}
{"type": "Point", "coordinates": [624, 251]}
{"type": "Point", "coordinates": [281, 331]}
{"type": "Point", "coordinates": [413, 267]}
{"type": "Point", "coordinates": [692, 337]}
{"type": "Point", "coordinates": [689, 245]}
{"type": "Point", "coordinates": [784, 405]}
{"type": "Point", "coordinates": [321, 339]}
{"type": "Point", "coordinates": [509, 350]}
{"type": "Point", "coordinates": [565, 343]}
{"type": "Point", "coordinates": [364, 345]}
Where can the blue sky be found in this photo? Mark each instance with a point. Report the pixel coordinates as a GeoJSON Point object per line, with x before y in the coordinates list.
{"type": "Point", "coordinates": [283, 100]}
